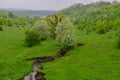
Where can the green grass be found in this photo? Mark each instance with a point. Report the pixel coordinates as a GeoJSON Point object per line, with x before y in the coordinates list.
{"type": "Point", "coordinates": [13, 53]}
{"type": "Point", "coordinates": [91, 62]}
{"type": "Point", "coordinates": [98, 59]}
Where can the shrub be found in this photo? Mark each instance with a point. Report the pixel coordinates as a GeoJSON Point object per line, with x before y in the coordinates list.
{"type": "Point", "coordinates": [101, 30]}
{"type": "Point", "coordinates": [1, 29]}
{"type": "Point", "coordinates": [32, 38]}
{"type": "Point", "coordinates": [118, 41]}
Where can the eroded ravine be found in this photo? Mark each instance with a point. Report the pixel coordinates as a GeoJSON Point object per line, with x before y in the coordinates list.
{"type": "Point", "coordinates": [37, 65]}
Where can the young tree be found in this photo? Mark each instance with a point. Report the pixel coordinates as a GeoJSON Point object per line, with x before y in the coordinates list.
{"type": "Point", "coordinates": [42, 28]}
{"type": "Point", "coordinates": [65, 35]}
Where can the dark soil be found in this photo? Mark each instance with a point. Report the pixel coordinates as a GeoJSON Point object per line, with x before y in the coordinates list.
{"type": "Point", "coordinates": [79, 44]}
{"type": "Point", "coordinates": [61, 53]}
{"type": "Point", "coordinates": [40, 76]}
{"type": "Point", "coordinates": [42, 59]}
{"type": "Point", "coordinates": [21, 78]}
{"type": "Point", "coordinates": [37, 65]}
{"type": "Point", "coordinates": [38, 60]}
{"type": "Point", "coordinates": [115, 56]}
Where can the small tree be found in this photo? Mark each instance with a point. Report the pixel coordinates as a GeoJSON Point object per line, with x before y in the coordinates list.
{"type": "Point", "coordinates": [53, 22]}
{"type": "Point", "coordinates": [65, 35]}
{"type": "Point", "coordinates": [1, 29]}
{"type": "Point", "coordinates": [42, 28]}
{"type": "Point", "coordinates": [10, 15]}
{"type": "Point", "coordinates": [32, 38]}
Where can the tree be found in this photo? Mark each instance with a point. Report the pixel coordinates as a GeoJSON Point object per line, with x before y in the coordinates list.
{"type": "Point", "coordinates": [52, 24]}
{"type": "Point", "coordinates": [10, 15]}
{"type": "Point", "coordinates": [32, 38]}
{"type": "Point", "coordinates": [53, 21]}
{"type": "Point", "coordinates": [9, 22]}
{"type": "Point", "coordinates": [65, 35]}
{"type": "Point", "coordinates": [42, 28]}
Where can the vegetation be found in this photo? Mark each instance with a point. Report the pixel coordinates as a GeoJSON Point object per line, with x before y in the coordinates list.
{"type": "Point", "coordinates": [65, 34]}
{"type": "Point", "coordinates": [32, 38]}
{"type": "Point", "coordinates": [96, 25]}
{"type": "Point", "coordinates": [9, 19]}
{"type": "Point", "coordinates": [100, 16]}
{"type": "Point", "coordinates": [42, 28]}
{"type": "Point", "coordinates": [99, 56]}
{"type": "Point", "coordinates": [53, 22]}
{"type": "Point", "coordinates": [10, 15]}
{"type": "Point", "coordinates": [1, 29]}
{"type": "Point", "coordinates": [118, 42]}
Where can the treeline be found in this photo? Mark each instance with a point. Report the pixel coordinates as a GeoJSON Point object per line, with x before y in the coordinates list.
{"type": "Point", "coordinates": [9, 19]}
{"type": "Point", "coordinates": [100, 16]}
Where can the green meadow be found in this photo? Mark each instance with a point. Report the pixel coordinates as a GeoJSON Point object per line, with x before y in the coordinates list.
{"type": "Point", "coordinates": [98, 59]}
{"type": "Point", "coordinates": [84, 41]}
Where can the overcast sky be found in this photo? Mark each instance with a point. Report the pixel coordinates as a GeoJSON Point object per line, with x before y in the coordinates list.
{"type": "Point", "coordinates": [42, 4]}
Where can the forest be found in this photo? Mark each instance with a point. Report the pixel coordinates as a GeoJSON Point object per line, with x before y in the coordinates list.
{"type": "Point", "coordinates": [80, 42]}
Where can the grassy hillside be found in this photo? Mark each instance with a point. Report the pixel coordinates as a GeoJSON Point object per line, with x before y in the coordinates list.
{"type": "Point", "coordinates": [98, 59]}
{"type": "Point", "coordinates": [99, 16]}
{"type": "Point", "coordinates": [13, 53]}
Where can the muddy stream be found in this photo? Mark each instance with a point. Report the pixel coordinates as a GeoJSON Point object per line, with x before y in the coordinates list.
{"type": "Point", "coordinates": [37, 65]}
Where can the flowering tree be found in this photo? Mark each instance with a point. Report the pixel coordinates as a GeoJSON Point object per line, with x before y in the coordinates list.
{"type": "Point", "coordinates": [65, 34]}
{"type": "Point", "coordinates": [42, 28]}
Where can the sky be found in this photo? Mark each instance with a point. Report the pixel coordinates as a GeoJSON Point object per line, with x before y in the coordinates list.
{"type": "Point", "coordinates": [42, 4]}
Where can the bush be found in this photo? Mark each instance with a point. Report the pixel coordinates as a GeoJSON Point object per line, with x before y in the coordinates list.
{"type": "Point", "coordinates": [32, 38]}
{"type": "Point", "coordinates": [101, 31]}
{"type": "Point", "coordinates": [118, 35]}
{"type": "Point", "coordinates": [1, 29]}
{"type": "Point", "coordinates": [118, 41]}
{"type": "Point", "coordinates": [101, 28]}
